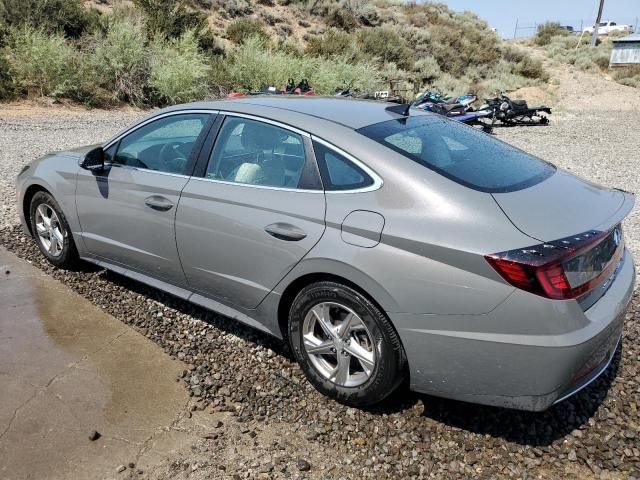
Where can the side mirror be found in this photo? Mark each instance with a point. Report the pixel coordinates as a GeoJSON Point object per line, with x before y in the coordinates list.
{"type": "Point", "coordinates": [93, 160]}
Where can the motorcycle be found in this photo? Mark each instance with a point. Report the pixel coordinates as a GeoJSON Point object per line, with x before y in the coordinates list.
{"type": "Point", "coordinates": [434, 97]}
{"type": "Point", "coordinates": [481, 119]}
{"type": "Point", "coordinates": [515, 112]}
{"type": "Point", "coordinates": [457, 108]}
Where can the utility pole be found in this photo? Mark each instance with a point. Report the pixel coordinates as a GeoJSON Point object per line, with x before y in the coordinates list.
{"type": "Point", "coordinates": [594, 38]}
{"type": "Point", "coordinates": [515, 32]}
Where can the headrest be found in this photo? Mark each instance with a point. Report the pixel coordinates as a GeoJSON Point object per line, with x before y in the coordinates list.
{"type": "Point", "coordinates": [258, 136]}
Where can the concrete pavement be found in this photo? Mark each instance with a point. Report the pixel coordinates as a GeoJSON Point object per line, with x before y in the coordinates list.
{"type": "Point", "coordinates": [67, 369]}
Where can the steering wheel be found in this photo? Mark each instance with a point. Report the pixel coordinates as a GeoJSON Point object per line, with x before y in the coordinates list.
{"type": "Point", "coordinates": [128, 159]}
{"type": "Point", "coordinates": [170, 153]}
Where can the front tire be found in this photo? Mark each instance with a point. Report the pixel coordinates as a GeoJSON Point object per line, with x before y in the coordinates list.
{"type": "Point", "coordinates": [345, 344]}
{"type": "Point", "coordinates": [51, 231]}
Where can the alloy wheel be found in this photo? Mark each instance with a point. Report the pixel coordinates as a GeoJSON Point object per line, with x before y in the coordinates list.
{"type": "Point", "coordinates": [338, 344]}
{"type": "Point", "coordinates": [49, 230]}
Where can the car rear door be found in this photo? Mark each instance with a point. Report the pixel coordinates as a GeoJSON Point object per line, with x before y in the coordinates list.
{"type": "Point", "coordinates": [254, 212]}
{"type": "Point", "coordinates": [127, 212]}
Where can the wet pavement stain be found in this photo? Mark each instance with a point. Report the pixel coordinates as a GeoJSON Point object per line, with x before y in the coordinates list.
{"type": "Point", "coordinates": [66, 369]}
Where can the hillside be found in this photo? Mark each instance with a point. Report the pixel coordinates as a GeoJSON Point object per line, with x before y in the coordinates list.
{"type": "Point", "coordinates": [153, 52]}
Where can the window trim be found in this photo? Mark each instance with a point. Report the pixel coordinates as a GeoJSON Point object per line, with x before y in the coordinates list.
{"type": "Point", "coordinates": [275, 123]}
{"type": "Point", "coordinates": [265, 120]}
{"type": "Point", "coordinates": [377, 181]}
{"type": "Point", "coordinates": [135, 128]}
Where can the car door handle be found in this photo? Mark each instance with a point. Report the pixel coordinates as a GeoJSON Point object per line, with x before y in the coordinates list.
{"type": "Point", "coordinates": [285, 231]}
{"type": "Point", "coordinates": [158, 202]}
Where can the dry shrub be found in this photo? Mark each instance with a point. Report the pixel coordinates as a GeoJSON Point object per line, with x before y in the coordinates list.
{"type": "Point", "coordinates": [240, 30]}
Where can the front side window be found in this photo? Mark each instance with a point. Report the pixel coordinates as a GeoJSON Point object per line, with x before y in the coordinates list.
{"type": "Point", "coordinates": [257, 153]}
{"type": "Point", "coordinates": [163, 145]}
{"type": "Point", "coordinates": [461, 153]}
{"type": "Point", "coordinates": [338, 172]}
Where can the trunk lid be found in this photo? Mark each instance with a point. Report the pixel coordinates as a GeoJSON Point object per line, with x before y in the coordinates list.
{"type": "Point", "coordinates": [564, 205]}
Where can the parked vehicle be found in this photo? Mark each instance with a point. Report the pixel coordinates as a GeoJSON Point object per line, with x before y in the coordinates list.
{"type": "Point", "coordinates": [481, 118]}
{"type": "Point", "coordinates": [457, 108]}
{"type": "Point", "coordinates": [381, 95]}
{"type": "Point", "coordinates": [291, 88]}
{"type": "Point", "coordinates": [344, 91]}
{"type": "Point", "coordinates": [433, 96]}
{"type": "Point", "coordinates": [381, 242]}
{"type": "Point", "coordinates": [515, 112]}
{"type": "Point", "coordinates": [605, 28]}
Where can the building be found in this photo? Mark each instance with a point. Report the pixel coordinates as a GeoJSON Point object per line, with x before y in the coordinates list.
{"type": "Point", "coordinates": [626, 51]}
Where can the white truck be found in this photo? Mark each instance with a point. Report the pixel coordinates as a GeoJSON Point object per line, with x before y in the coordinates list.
{"type": "Point", "coordinates": [605, 28]}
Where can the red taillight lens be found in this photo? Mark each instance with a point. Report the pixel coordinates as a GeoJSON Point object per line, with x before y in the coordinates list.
{"type": "Point", "coordinates": [562, 269]}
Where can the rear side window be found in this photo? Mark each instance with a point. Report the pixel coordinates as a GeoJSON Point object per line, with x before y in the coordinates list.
{"type": "Point", "coordinates": [460, 153]}
{"type": "Point", "coordinates": [338, 172]}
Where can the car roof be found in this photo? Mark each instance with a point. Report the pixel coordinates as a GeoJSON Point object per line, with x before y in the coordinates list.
{"type": "Point", "coordinates": [348, 112]}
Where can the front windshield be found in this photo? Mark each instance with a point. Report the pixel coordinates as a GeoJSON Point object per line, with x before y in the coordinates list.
{"type": "Point", "coordinates": [460, 153]}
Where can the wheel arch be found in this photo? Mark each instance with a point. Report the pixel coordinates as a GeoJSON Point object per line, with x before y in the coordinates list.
{"type": "Point", "coordinates": [26, 202]}
{"type": "Point", "coordinates": [344, 274]}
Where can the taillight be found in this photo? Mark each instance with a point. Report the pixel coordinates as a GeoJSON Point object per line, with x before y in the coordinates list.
{"type": "Point", "coordinates": [562, 269]}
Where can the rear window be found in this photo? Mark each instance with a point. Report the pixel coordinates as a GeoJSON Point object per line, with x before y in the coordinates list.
{"type": "Point", "coordinates": [461, 153]}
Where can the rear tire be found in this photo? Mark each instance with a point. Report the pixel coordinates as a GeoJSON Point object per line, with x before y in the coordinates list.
{"type": "Point", "coordinates": [51, 231]}
{"type": "Point", "coordinates": [345, 344]}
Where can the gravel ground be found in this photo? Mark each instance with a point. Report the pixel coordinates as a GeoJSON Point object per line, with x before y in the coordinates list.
{"type": "Point", "coordinates": [28, 133]}
{"type": "Point", "coordinates": [231, 368]}
{"type": "Point", "coordinates": [599, 146]}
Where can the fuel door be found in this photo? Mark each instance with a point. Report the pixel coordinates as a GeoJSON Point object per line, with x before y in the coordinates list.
{"type": "Point", "coordinates": [362, 228]}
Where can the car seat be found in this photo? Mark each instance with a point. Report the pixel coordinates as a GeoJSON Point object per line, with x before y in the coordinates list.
{"type": "Point", "coordinates": [263, 140]}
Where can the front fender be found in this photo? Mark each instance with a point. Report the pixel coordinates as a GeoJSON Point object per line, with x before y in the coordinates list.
{"type": "Point", "coordinates": [57, 175]}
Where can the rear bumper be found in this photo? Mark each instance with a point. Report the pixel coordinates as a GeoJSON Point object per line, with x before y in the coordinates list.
{"type": "Point", "coordinates": [527, 354]}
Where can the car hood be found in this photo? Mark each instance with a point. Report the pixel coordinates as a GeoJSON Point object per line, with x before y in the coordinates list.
{"type": "Point", "coordinates": [564, 205]}
{"type": "Point", "coordinates": [76, 152]}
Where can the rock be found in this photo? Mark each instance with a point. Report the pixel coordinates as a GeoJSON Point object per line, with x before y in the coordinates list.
{"type": "Point", "coordinates": [359, 441]}
{"type": "Point", "coordinates": [121, 469]}
{"type": "Point", "coordinates": [572, 456]}
{"type": "Point", "coordinates": [94, 435]}
{"type": "Point", "coordinates": [303, 465]}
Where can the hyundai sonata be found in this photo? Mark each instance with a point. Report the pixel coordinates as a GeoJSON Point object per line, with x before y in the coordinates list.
{"type": "Point", "coordinates": [382, 242]}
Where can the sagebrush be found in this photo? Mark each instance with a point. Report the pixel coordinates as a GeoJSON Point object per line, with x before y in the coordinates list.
{"type": "Point", "coordinates": [157, 52]}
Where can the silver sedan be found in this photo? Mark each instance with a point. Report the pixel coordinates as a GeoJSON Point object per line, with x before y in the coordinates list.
{"type": "Point", "coordinates": [382, 243]}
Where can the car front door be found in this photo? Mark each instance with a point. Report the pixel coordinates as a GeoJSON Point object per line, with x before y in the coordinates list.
{"type": "Point", "coordinates": [255, 212]}
{"type": "Point", "coordinates": [127, 213]}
